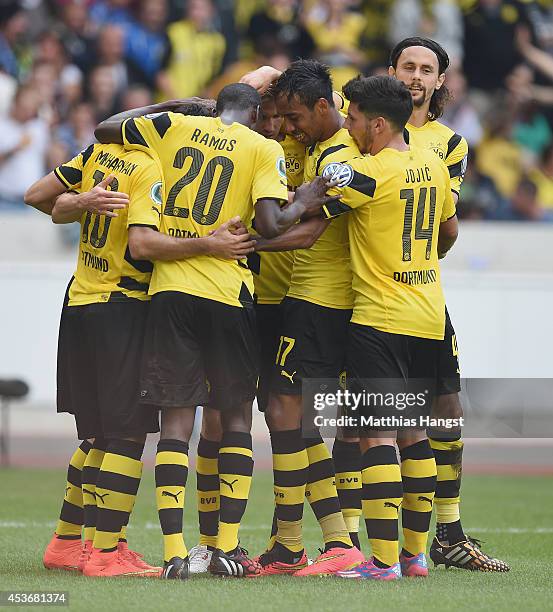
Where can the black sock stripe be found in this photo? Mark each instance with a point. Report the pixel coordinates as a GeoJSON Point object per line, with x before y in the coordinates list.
{"type": "Point", "coordinates": [321, 470]}
{"type": "Point", "coordinates": [324, 507]}
{"type": "Point", "coordinates": [290, 478]}
{"type": "Point", "coordinates": [420, 450]}
{"type": "Point", "coordinates": [448, 488]}
{"type": "Point", "coordinates": [382, 529]}
{"type": "Point", "coordinates": [230, 463]}
{"type": "Point", "coordinates": [416, 521]}
{"type": "Point", "coordinates": [349, 498]}
{"type": "Point", "coordinates": [232, 510]}
{"type": "Point", "coordinates": [315, 441]}
{"type": "Point", "coordinates": [85, 446]}
{"type": "Point", "coordinates": [286, 442]}
{"type": "Point", "coordinates": [419, 485]}
{"type": "Point", "coordinates": [379, 455]}
{"type": "Point", "coordinates": [236, 438]}
{"type": "Point", "coordinates": [89, 475]}
{"type": "Point", "coordinates": [347, 456]}
{"type": "Point", "coordinates": [442, 436]}
{"type": "Point", "coordinates": [170, 520]}
{"type": "Point", "coordinates": [449, 457]}
{"type": "Point", "coordinates": [74, 476]}
{"type": "Point", "coordinates": [126, 448]}
{"type": "Point", "coordinates": [208, 448]}
{"type": "Point", "coordinates": [382, 490]}
{"type": "Point", "coordinates": [117, 482]}
{"type": "Point", "coordinates": [171, 475]}
{"type": "Point", "coordinates": [175, 446]}
{"type": "Point", "coordinates": [207, 482]}
{"type": "Point", "coordinates": [289, 512]}
{"type": "Point", "coordinates": [110, 520]}
{"type": "Point", "coordinates": [71, 513]}
{"type": "Point", "coordinates": [209, 522]}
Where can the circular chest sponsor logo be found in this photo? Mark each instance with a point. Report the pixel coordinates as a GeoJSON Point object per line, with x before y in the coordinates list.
{"type": "Point", "coordinates": [343, 173]}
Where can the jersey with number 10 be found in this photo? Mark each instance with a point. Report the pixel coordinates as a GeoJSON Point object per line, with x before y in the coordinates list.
{"type": "Point", "coordinates": [212, 172]}
{"type": "Point", "coordinates": [398, 200]}
{"type": "Point", "coordinates": [105, 269]}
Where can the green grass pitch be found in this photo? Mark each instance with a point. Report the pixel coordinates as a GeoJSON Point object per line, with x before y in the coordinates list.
{"type": "Point", "coordinates": [512, 514]}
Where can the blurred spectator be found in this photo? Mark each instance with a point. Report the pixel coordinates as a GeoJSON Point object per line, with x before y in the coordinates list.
{"type": "Point", "coordinates": [526, 205]}
{"type": "Point", "coordinates": [498, 157]}
{"type": "Point", "coordinates": [195, 53]}
{"type": "Point", "coordinates": [110, 53]}
{"type": "Point", "coordinates": [112, 12]}
{"type": "Point", "coordinates": [337, 33]}
{"type": "Point", "coordinates": [67, 77]}
{"type": "Point", "coordinates": [281, 20]}
{"type": "Point", "coordinates": [146, 42]}
{"type": "Point", "coordinates": [269, 53]}
{"type": "Point", "coordinates": [76, 32]}
{"type": "Point", "coordinates": [13, 25]}
{"type": "Point", "coordinates": [480, 198]}
{"type": "Point", "coordinates": [542, 177]}
{"type": "Point", "coordinates": [136, 96]}
{"type": "Point", "coordinates": [78, 131]}
{"type": "Point", "coordinates": [460, 115]}
{"type": "Point", "coordinates": [490, 51]}
{"type": "Point", "coordinates": [376, 45]}
{"type": "Point", "coordinates": [102, 92]}
{"type": "Point", "coordinates": [23, 145]}
{"type": "Point", "coordinates": [539, 16]}
{"type": "Point", "coordinates": [440, 20]}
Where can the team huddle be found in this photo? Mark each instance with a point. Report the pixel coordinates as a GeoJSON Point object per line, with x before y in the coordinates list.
{"type": "Point", "coordinates": [235, 251]}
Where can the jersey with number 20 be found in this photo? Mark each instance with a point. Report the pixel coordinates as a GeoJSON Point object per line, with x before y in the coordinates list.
{"type": "Point", "coordinates": [212, 172]}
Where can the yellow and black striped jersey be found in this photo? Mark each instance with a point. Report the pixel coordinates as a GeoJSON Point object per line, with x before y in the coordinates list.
{"type": "Point", "coordinates": [322, 274]}
{"type": "Point", "coordinates": [450, 147]}
{"type": "Point", "coordinates": [212, 172]}
{"type": "Point", "coordinates": [273, 270]}
{"type": "Point", "coordinates": [105, 269]}
{"type": "Point", "coordinates": [398, 200]}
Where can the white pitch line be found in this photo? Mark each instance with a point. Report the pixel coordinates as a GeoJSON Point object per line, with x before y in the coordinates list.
{"type": "Point", "coordinates": [155, 526]}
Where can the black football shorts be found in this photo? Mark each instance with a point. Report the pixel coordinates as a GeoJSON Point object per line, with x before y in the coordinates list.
{"type": "Point", "coordinates": [391, 370]}
{"type": "Point", "coordinates": [312, 344]}
{"type": "Point", "coordinates": [99, 360]}
{"type": "Point", "coordinates": [199, 352]}
{"type": "Point", "coordinates": [449, 376]}
{"type": "Point", "coordinates": [269, 321]}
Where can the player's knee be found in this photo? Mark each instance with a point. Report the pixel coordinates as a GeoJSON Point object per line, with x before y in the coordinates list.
{"type": "Point", "coordinates": [283, 412]}
{"type": "Point", "coordinates": [238, 418]}
{"type": "Point", "coordinates": [211, 425]}
{"type": "Point", "coordinates": [447, 407]}
{"type": "Point", "coordinates": [177, 424]}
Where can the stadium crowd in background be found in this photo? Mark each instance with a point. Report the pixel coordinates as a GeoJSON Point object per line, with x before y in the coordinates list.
{"type": "Point", "coordinates": [67, 64]}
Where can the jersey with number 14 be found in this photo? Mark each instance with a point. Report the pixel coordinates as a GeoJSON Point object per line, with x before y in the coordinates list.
{"type": "Point", "coordinates": [212, 172]}
{"type": "Point", "coordinates": [105, 269]}
{"type": "Point", "coordinates": [398, 200]}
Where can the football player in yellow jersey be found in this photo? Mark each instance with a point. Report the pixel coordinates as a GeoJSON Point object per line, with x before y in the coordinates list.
{"type": "Point", "coordinates": [201, 325]}
{"type": "Point", "coordinates": [421, 64]}
{"type": "Point", "coordinates": [109, 289]}
{"type": "Point", "coordinates": [402, 216]}
{"type": "Point", "coordinates": [311, 338]}
{"type": "Point", "coordinates": [271, 277]}
{"type": "Point", "coordinates": [99, 352]}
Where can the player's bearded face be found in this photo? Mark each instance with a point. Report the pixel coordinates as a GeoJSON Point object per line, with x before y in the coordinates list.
{"type": "Point", "coordinates": [418, 68]}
